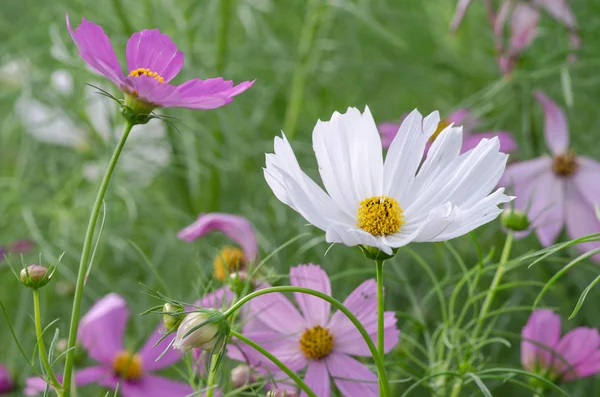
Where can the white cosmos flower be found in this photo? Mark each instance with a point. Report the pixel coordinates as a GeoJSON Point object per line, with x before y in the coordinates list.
{"type": "Point", "coordinates": [388, 204]}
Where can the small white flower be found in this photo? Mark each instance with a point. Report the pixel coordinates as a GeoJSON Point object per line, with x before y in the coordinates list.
{"type": "Point", "coordinates": [203, 338]}
{"type": "Point", "coordinates": [404, 199]}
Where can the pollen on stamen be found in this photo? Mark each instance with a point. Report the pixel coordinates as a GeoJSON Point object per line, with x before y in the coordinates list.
{"type": "Point", "coordinates": [128, 365]}
{"type": "Point", "coordinates": [316, 342]}
{"type": "Point", "coordinates": [565, 164]}
{"type": "Point", "coordinates": [441, 126]}
{"type": "Point", "coordinates": [146, 72]}
{"type": "Point", "coordinates": [380, 216]}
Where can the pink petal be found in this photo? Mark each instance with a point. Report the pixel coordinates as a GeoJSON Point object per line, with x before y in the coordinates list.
{"type": "Point", "coordinates": [277, 313]}
{"type": "Point", "coordinates": [237, 228]}
{"type": "Point", "coordinates": [149, 353]}
{"type": "Point", "coordinates": [559, 10]}
{"type": "Point", "coordinates": [362, 302]}
{"type": "Point", "coordinates": [316, 310]}
{"type": "Point", "coordinates": [590, 366]}
{"type": "Point", "coordinates": [465, 118]}
{"type": "Point", "coordinates": [155, 386]}
{"type": "Point", "coordinates": [151, 91]}
{"type": "Point", "coordinates": [461, 8]}
{"type": "Point", "coordinates": [546, 198]}
{"type": "Point", "coordinates": [543, 327]}
{"type": "Point", "coordinates": [525, 171]}
{"type": "Point", "coordinates": [387, 131]}
{"type": "Point", "coordinates": [150, 49]}
{"type": "Point", "coordinates": [206, 94]}
{"type": "Point", "coordinates": [586, 180]}
{"type": "Point", "coordinates": [317, 378]}
{"type": "Point", "coordinates": [575, 348]}
{"type": "Point", "coordinates": [507, 142]}
{"type": "Point", "coordinates": [352, 378]}
{"type": "Point", "coordinates": [101, 330]}
{"type": "Point", "coordinates": [285, 349]}
{"type": "Point", "coordinates": [96, 50]}
{"type": "Point", "coordinates": [36, 385]}
{"type": "Point", "coordinates": [523, 24]}
{"type": "Point", "coordinates": [6, 381]}
{"type": "Point", "coordinates": [581, 216]}
{"type": "Point", "coordinates": [219, 299]}
{"type": "Point", "coordinates": [556, 128]}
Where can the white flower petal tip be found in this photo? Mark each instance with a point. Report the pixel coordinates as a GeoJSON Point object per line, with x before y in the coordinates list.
{"type": "Point", "coordinates": [388, 204]}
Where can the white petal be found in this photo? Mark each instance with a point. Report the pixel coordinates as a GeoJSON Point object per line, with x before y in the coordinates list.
{"type": "Point", "coordinates": [349, 153]}
{"type": "Point", "coordinates": [405, 154]}
{"type": "Point", "coordinates": [294, 188]}
{"type": "Point", "coordinates": [352, 236]}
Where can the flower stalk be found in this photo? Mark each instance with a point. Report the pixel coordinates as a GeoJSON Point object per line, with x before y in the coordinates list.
{"type": "Point", "coordinates": [40, 342]}
{"type": "Point", "coordinates": [275, 361]}
{"type": "Point", "coordinates": [385, 385]}
{"type": "Point", "coordinates": [85, 257]}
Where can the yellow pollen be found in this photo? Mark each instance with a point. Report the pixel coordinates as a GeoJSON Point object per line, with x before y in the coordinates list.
{"type": "Point", "coordinates": [127, 365]}
{"type": "Point", "coordinates": [442, 124]}
{"type": "Point", "coordinates": [316, 342]}
{"type": "Point", "coordinates": [565, 164]}
{"type": "Point", "coordinates": [229, 260]}
{"type": "Point", "coordinates": [146, 72]}
{"type": "Point", "coordinates": [380, 216]}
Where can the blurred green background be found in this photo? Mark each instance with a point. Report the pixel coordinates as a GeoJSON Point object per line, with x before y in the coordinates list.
{"type": "Point", "coordinates": [310, 58]}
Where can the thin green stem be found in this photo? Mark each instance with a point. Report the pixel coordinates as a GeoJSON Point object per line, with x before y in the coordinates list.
{"type": "Point", "coordinates": [212, 375]}
{"type": "Point", "coordinates": [275, 361]}
{"type": "Point", "coordinates": [385, 390]}
{"type": "Point", "coordinates": [40, 340]}
{"type": "Point", "coordinates": [380, 309]}
{"type": "Point", "coordinates": [487, 303]}
{"type": "Point", "coordinates": [456, 388]}
{"type": "Point", "coordinates": [305, 44]}
{"type": "Point", "coordinates": [85, 256]}
{"type": "Point", "coordinates": [224, 20]}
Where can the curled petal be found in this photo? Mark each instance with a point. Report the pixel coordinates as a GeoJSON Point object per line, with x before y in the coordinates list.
{"type": "Point", "coordinates": [556, 129]}
{"type": "Point", "coordinates": [237, 228]}
{"type": "Point", "coordinates": [523, 24]}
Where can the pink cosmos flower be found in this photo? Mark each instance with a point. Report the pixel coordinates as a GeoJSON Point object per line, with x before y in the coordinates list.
{"type": "Point", "coordinates": [464, 117]}
{"type": "Point", "coordinates": [523, 17]}
{"type": "Point", "coordinates": [237, 228]}
{"type": "Point", "coordinates": [557, 190]}
{"type": "Point", "coordinates": [575, 355]}
{"type": "Point", "coordinates": [153, 60]}
{"type": "Point", "coordinates": [101, 333]}
{"type": "Point", "coordinates": [6, 381]}
{"type": "Point", "coordinates": [316, 340]}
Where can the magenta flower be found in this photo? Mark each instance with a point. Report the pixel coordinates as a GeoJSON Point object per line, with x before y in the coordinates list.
{"type": "Point", "coordinates": [464, 117]}
{"type": "Point", "coordinates": [6, 381]}
{"type": "Point", "coordinates": [557, 190]}
{"type": "Point", "coordinates": [153, 60]}
{"type": "Point", "coordinates": [101, 333]}
{"type": "Point", "coordinates": [575, 355]}
{"type": "Point", "coordinates": [237, 228]}
{"type": "Point", "coordinates": [523, 20]}
{"type": "Point", "coordinates": [316, 340]}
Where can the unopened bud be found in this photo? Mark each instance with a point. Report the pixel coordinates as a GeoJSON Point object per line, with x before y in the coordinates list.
{"type": "Point", "coordinates": [281, 393]}
{"type": "Point", "coordinates": [199, 330]}
{"type": "Point", "coordinates": [35, 276]}
{"type": "Point", "coordinates": [238, 282]}
{"type": "Point", "coordinates": [173, 315]}
{"type": "Point", "coordinates": [513, 219]}
{"type": "Point", "coordinates": [241, 376]}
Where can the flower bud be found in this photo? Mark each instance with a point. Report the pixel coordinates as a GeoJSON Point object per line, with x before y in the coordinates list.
{"type": "Point", "coordinates": [239, 281]}
{"type": "Point", "coordinates": [173, 314]}
{"type": "Point", "coordinates": [200, 330]}
{"type": "Point", "coordinates": [513, 219]}
{"type": "Point", "coordinates": [281, 393]}
{"type": "Point", "coordinates": [241, 376]}
{"type": "Point", "coordinates": [35, 276]}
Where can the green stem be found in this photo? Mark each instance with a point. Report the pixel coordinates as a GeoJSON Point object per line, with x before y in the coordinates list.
{"type": "Point", "coordinates": [85, 256]}
{"type": "Point", "coordinates": [385, 390]}
{"type": "Point", "coordinates": [275, 361]}
{"type": "Point", "coordinates": [40, 340]}
{"type": "Point", "coordinates": [456, 389]}
{"type": "Point", "coordinates": [305, 43]}
{"type": "Point", "coordinates": [380, 309]}
{"type": "Point", "coordinates": [487, 303]}
{"type": "Point", "coordinates": [225, 17]}
{"type": "Point", "coordinates": [212, 376]}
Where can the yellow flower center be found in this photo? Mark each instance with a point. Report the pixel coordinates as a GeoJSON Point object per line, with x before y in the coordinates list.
{"type": "Point", "coordinates": [380, 216]}
{"type": "Point", "coordinates": [229, 260]}
{"type": "Point", "coordinates": [316, 342]}
{"type": "Point", "coordinates": [146, 72]}
{"type": "Point", "coordinates": [128, 365]}
{"type": "Point", "coordinates": [441, 126]}
{"type": "Point", "coordinates": [565, 164]}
